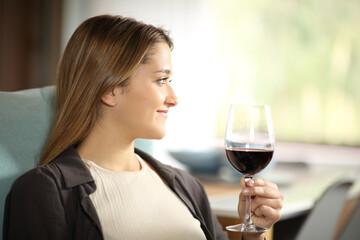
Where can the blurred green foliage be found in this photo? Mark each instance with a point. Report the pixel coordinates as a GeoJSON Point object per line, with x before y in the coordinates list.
{"type": "Point", "coordinates": [300, 57]}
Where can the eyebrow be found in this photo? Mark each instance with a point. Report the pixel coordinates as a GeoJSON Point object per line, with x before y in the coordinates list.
{"type": "Point", "coordinates": [167, 71]}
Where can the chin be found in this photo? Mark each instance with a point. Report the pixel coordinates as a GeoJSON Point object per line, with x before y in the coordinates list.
{"type": "Point", "coordinates": [155, 134]}
{"type": "Point", "coordinates": [159, 136]}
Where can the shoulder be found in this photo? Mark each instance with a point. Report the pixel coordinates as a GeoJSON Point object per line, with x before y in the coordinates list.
{"type": "Point", "coordinates": [63, 173]}
{"type": "Point", "coordinates": [36, 179]}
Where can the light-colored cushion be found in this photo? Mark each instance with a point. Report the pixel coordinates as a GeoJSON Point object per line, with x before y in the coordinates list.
{"type": "Point", "coordinates": [25, 120]}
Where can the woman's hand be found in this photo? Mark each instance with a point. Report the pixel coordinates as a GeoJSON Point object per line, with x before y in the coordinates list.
{"type": "Point", "coordinates": [266, 202]}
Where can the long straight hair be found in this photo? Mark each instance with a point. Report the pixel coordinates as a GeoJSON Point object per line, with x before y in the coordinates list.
{"type": "Point", "coordinates": [102, 54]}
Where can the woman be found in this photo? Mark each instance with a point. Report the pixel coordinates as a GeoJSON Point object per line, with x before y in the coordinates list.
{"type": "Point", "coordinates": [113, 87]}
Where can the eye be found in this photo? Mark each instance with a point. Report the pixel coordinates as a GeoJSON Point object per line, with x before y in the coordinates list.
{"type": "Point", "coordinates": [164, 80]}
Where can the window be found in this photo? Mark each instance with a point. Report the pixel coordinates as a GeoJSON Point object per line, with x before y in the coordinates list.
{"type": "Point", "coordinates": [300, 57]}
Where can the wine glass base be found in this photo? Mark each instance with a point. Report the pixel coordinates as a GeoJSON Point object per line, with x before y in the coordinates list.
{"type": "Point", "coordinates": [246, 228]}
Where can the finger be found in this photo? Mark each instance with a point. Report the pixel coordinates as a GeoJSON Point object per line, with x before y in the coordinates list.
{"type": "Point", "coordinates": [265, 192]}
{"type": "Point", "coordinates": [267, 214]}
{"type": "Point", "coordinates": [242, 196]}
{"type": "Point", "coordinates": [247, 182]}
{"type": "Point", "coordinates": [273, 203]}
{"type": "Point", "coordinates": [243, 182]}
{"type": "Point", "coordinates": [263, 182]}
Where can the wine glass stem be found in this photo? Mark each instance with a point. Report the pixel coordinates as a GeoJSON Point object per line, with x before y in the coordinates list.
{"type": "Point", "coordinates": [247, 219]}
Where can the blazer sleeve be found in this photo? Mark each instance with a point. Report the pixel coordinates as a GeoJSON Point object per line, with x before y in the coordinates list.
{"type": "Point", "coordinates": [34, 209]}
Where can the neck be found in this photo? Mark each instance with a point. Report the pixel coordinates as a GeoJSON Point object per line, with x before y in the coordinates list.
{"type": "Point", "coordinates": [109, 151]}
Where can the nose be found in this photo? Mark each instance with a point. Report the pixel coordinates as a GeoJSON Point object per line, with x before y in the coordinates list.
{"type": "Point", "coordinates": [171, 99]}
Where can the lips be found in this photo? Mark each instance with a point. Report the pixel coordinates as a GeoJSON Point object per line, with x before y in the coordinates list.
{"type": "Point", "coordinates": [163, 112]}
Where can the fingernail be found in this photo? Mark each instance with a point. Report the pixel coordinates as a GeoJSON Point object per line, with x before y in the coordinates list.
{"type": "Point", "coordinates": [245, 191]}
{"type": "Point", "coordinates": [251, 182]}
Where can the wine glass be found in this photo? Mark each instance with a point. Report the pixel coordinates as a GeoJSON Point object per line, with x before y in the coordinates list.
{"type": "Point", "coordinates": [249, 147]}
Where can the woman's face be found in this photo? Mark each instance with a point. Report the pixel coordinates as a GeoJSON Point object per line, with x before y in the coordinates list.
{"type": "Point", "coordinates": [142, 107]}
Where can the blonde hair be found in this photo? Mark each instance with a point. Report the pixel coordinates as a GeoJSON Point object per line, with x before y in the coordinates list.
{"type": "Point", "coordinates": [102, 54]}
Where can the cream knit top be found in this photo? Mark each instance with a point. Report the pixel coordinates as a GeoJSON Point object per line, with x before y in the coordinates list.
{"type": "Point", "coordinates": [139, 205]}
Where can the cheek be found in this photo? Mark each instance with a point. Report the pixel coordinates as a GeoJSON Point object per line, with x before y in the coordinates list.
{"type": "Point", "coordinates": [152, 99]}
{"type": "Point", "coordinates": [145, 103]}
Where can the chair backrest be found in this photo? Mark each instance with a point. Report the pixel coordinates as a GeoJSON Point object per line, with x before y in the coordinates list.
{"type": "Point", "coordinates": [323, 218]}
{"type": "Point", "coordinates": [351, 230]}
{"type": "Point", "coordinates": [25, 121]}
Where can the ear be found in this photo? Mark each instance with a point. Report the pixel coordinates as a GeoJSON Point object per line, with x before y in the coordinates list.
{"type": "Point", "coordinates": [109, 98]}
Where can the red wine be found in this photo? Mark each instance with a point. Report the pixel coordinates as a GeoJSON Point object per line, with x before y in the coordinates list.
{"type": "Point", "coordinates": [249, 161]}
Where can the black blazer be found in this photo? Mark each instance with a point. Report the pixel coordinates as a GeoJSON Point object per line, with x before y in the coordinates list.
{"type": "Point", "coordinates": [52, 201]}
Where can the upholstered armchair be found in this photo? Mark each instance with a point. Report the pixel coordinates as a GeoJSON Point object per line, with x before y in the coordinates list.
{"type": "Point", "coordinates": [25, 122]}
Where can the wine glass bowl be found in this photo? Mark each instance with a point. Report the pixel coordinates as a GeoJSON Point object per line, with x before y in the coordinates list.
{"type": "Point", "coordinates": [249, 147]}
{"type": "Point", "coordinates": [249, 161]}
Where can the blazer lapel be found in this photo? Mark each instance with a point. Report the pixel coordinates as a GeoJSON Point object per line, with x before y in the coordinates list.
{"type": "Point", "coordinates": [87, 204]}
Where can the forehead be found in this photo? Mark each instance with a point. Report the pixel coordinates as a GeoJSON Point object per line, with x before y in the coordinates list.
{"type": "Point", "coordinates": [158, 56]}
{"type": "Point", "coordinates": [159, 62]}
